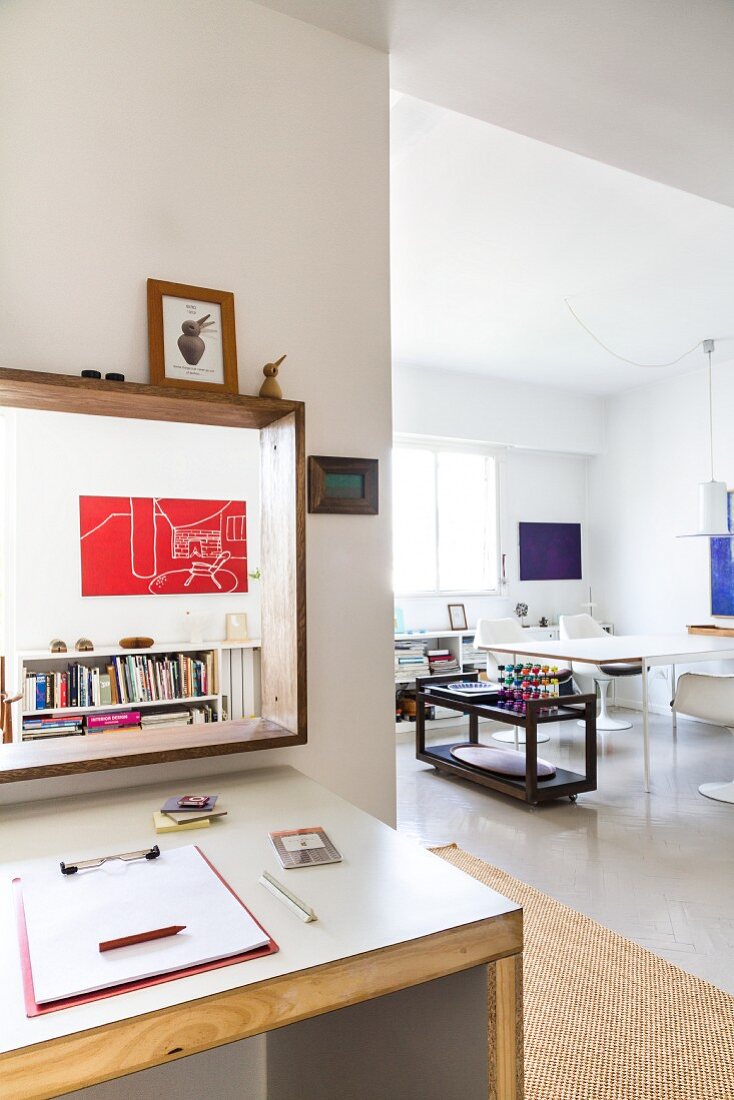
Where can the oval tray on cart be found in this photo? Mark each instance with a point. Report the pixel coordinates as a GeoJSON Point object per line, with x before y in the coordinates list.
{"type": "Point", "coordinates": [478, 690]}
{"type": "Point", "coordinates": [501, 761]}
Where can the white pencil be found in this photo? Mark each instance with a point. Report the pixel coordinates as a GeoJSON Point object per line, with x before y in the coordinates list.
{"type": "Point", "coordinates": [282, 893]}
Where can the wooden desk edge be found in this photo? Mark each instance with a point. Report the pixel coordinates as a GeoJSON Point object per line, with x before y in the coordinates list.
{"type": "Point", "coordinates": [113, 1050]}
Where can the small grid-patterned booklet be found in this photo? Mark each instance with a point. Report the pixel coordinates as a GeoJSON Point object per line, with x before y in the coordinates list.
{"type": "Point", "coordinates": [309, 847]}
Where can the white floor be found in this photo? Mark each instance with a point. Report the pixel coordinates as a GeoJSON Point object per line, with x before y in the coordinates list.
{"type": "Point", "coordinates": [657, 868]}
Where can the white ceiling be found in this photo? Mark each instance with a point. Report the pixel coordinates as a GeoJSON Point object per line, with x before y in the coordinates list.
{"type": "Point", "coordinates": [492, 229]}
{"type": "Point", "coordinates": [646, 85]}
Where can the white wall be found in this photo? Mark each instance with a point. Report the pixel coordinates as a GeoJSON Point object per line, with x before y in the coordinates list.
{"type": "Point", "coordinates": [644, 492]}
{"type": "Point", "coordinates": [534, 488]}
{"type": "Point", "coordinates": [459, 405]}
{"type": "Point", "coordinates": [546, 484]}
{"type": "Point", "coordinates": [61, 457]}
{"type": "Point", "coordinates": [217, 143]}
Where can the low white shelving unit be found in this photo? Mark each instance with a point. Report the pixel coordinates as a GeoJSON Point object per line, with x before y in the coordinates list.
{"type": "Point", "coordinates": [460, 644]}
{"type": "Point", "coordinates": [236, 679]}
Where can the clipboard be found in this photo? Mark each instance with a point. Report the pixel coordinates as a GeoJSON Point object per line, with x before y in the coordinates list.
{"type": "Point", "coordinates": [33, 1008]}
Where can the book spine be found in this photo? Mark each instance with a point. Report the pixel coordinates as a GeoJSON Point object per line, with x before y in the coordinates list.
{"type": "Point", "coordinates": [120, 680]}
{"type": "Point", "coordinates": [113, 684]}
{"type": "Point", "coordinates": [129, 680]}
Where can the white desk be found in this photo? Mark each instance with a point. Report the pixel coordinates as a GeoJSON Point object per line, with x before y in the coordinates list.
{"type": "Point", "coordinates": [650, 649]}
{"type": "Point", "coordinates": [392, 917]}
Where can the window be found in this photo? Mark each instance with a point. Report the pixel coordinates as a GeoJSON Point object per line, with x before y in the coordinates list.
{"type": "Point", "coordinates": [445, 519]}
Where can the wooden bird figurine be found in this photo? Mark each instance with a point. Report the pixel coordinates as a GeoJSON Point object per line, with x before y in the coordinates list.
{"type": "Point", "coordinates": [271, 388]}
{"type": "Point", "coordinates": [190, 344]}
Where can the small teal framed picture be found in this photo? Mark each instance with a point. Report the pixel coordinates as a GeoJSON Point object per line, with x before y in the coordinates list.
{"type": "Point", "coordinates": [343, 486]}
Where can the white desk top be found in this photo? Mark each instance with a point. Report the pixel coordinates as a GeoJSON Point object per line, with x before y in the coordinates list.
{"type": "Point", "coordinates": [656, 648]}
{"type": "Point", "coordinates": [387, 890]}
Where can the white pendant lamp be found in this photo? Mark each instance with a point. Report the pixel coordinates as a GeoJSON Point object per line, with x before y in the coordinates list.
{"type": "Point", "coordinates": [713, 506]}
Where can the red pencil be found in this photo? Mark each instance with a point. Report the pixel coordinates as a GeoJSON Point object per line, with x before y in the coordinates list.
{"type": "Point", "coordinates": [142, 937]}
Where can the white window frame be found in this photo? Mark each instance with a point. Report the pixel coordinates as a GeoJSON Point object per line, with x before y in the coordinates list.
{"type": "Point", "coordinates": [437, 444]}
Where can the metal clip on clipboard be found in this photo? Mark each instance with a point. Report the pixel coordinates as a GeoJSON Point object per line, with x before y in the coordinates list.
{"type": "Point", "coordinates": [126, 857]}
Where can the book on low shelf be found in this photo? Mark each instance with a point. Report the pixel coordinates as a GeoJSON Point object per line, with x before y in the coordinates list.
{"type": "Point", "coordinates": [167, 718]}
{"type": "Point", "coordinates": [115, 721]}
{"type": "Point", "coordinates": [440, 665]}
{"type": "Point", "coordinates": [142, 679]}
{"type": "Point", "coordinates": [410, 659]}
{"type": "Point", "coordinates": [471, 656]}
{"type": "Point", "coordinates": [35, 729]}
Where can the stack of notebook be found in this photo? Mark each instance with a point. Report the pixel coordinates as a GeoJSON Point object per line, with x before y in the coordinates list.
{"type": "Point", "coordinates": [175, 815]}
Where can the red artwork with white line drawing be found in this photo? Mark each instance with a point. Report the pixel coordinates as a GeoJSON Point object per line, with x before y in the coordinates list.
{"type": "Point", "coordinates": [138, 546]}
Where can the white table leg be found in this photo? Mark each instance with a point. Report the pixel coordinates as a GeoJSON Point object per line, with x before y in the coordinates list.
{"type": "Point", "coordinates": [645, 724]}
{"type": "Point", "coordinates": [672, 688]}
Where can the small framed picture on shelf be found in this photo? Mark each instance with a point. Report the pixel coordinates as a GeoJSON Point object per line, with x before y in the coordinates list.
{"type": "Point", "coordinates": [457, 616]}
{"type": "Point", "coordinates": [191, 337]}
{"type": "Point", "coordinates": [344, 486]}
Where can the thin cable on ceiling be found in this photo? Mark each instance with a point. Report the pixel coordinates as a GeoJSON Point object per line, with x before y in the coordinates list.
{"type": "Point", "coordinates": [708, 347]}
{"type": "Point", "coordinates": [623, 358]}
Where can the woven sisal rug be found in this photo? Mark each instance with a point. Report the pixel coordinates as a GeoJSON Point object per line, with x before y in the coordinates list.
{"type": "Point", "coordinates": [604, 1018]}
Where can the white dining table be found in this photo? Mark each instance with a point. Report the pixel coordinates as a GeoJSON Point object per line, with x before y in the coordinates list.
{"type": "Point", "coordinates": [652, 650]}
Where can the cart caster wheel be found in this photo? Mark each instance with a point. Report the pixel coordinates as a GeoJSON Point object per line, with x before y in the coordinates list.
{"type": "Point", "coordinates": [572, 797]}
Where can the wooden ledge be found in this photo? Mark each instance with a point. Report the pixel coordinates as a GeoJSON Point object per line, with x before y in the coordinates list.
{"type": "Point", "coordinates": [29, 389]}
{"type": "Point", "coordinates": [106, 751]}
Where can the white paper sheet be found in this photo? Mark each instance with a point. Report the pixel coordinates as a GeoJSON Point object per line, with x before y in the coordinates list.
{"type": "Point", "coordinates": [69, 916]}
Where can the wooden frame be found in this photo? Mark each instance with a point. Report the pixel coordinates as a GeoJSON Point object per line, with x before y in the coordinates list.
{"type": "Point", "coordinates": [322, 496]}
{"type": "Point", "coordinates": [283, 541]}
{"type": "Point", "coordinates": [157, 291]}
{"type": "Point", "coordinates": [457, 616]}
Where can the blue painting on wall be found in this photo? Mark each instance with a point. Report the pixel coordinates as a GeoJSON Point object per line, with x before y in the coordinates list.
{"type": "Point", "coordinates": [722, 572]}
{"type": "Point", "coordinates": [550, 551]}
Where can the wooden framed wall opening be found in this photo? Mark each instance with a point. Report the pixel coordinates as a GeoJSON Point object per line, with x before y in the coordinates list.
{"type": "Point", "coordinates": [283, 546]}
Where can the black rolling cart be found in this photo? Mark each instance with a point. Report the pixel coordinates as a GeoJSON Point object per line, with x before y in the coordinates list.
{"type": "Point", "coordinates": [431, 691]}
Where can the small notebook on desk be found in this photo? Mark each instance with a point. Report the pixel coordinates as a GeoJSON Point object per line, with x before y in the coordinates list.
{"type": "Point", "coordinates": [63, 920]}
{"type": "Point", "coordinates": [309, 847]}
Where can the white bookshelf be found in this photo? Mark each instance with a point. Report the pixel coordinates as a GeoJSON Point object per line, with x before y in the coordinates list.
{"type": "Point", "coordinates": [236, 676]}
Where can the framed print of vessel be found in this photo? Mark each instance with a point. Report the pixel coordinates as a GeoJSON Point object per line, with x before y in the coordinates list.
{"type": "Point", "coordinates": [191, 337]}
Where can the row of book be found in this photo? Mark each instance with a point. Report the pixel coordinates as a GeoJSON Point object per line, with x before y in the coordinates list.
{"type": "Point", "coordinates": [413, 658]}
{"type": "Point", "coordinates": [35, 728]}
{"type": "Point", "coordinates": [67, 725]}
{"type": "Point", "coordinates": [473, 657]}
{"type": "Point", "coordinates": [143, 679]}
{"type": "Point", "coordinates": [135, 678]}
{"type": "Point", "coordinates": [163, 719]}
{"type": "Point", "coordinates": [441, 662]}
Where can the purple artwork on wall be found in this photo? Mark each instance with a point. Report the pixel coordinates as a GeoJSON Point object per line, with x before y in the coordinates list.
{"type": "Point", "coordinates": [550, 551]}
